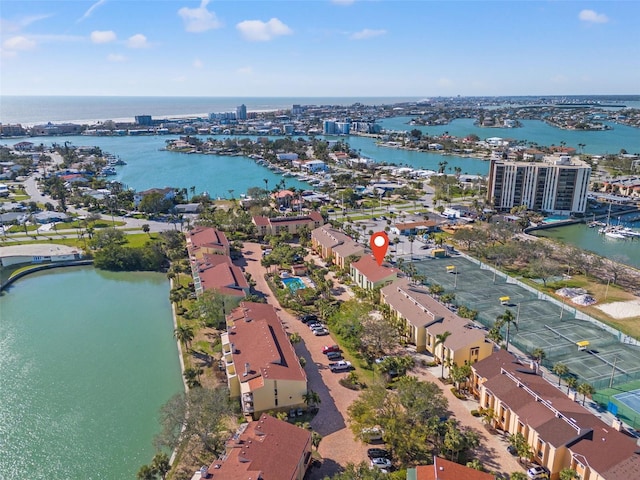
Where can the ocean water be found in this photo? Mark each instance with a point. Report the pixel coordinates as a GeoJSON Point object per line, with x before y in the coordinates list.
{"type": "Point", "coordinates": [35, 109]}
{"type": "Point", "coordinates": [86, 360]}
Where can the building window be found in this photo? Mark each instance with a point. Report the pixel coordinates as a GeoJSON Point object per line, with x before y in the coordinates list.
{"type": "Point", "coordinates": [475, 351]}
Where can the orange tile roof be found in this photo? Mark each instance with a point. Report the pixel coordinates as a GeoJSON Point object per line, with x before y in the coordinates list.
{"type": "Point", "coordinates": [268, 449]}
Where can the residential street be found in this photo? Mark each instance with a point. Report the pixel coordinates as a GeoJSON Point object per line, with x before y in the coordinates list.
{"type": "Point", "coordinates": [339, 446]}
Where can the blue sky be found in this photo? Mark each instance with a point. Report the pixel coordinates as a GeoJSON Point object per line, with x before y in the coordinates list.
{"type": "Point", "coordinates": [319, 48]}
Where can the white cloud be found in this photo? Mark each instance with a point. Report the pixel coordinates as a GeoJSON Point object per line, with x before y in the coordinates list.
{"type": "Point", "coordinates": [137, 41]}
{"type": "Point", "coordinates": [116, 57]}
{"type": "Point", "coordinates": [245, 70]}
{"type": "Point", "coordinates": [590, 16]}
{"type": "Point", "coordinates": [367, 33]}
{"type": "Point", "coordinates": [343, 2]}
{"type": "Point", "coordinates": [199, 19]}
{"type": "Point", "coordinates": [103, 36]}
{"type": "Point", "coordinates": [197, 63]}
{"type": "Point", "coordinates": [259, 31]}
{"type": "Point", "coordinates": [19, 43]}
{"type": "Point", "coordinates": [17, 25]}
{"type": "Point", "coordinates": [91, 9]}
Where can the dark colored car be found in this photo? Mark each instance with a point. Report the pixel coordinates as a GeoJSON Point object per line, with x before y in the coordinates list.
{"type": "Point", "coordinates": [308, 318]}
{"type": "Point", "coordinates": [378, 453]}
{"type": "Point", "coordinates": [334, 355]}
{"type": "Point", "coordinates": [512, 450]}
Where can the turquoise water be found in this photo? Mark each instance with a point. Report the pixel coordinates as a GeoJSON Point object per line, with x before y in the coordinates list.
{"type": "Point", "coordinates": [294, 283]}
{"type": "Point", "coordinates": [597, 143]}
{"type": "Point", "coordinates": [626, 251]}
{"type": "Point", "coordinates": [86, 360]}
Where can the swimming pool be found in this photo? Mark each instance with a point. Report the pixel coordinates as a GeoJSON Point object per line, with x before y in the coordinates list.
{"type": "Point", "coordinates": [294, 283]}
{"type": "Point", "coordinates": [556, 218]}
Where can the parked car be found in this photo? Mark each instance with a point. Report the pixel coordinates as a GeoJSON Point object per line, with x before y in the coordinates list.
{"type": "Point", "coordinates": [373, 434]}
{"type": "Point", "coordinates": [512, 450]}
{"type": "Point", "coordinates": [320, 332]}
{"type": "Point", "coordinates": [537, 473]}
{"type": "Point", "coordinates": [381, 462]}
{"type": "Point", "coordinates": [313, 325]}
{"type": "Point", "coordinates": [310, 318]}
{"type": "Point", "coordinates": [341, 366]}
{"type": "Point", "coordinates": [377, 453]}
{"type": "Point", "coordinates": [334, 355]}
{"type": "Point", "coordinates": [330, 348]}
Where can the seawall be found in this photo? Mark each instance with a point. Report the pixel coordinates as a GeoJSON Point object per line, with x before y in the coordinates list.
{"type": "Point", "coordinates": [46, 266]}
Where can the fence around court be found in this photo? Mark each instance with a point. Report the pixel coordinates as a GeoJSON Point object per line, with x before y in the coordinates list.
{"type": "Point", "coordinates": [543, 322]}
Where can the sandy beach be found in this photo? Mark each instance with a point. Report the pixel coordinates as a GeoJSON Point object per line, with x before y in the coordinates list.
{"type": "Point", "coordinates": [620, 310]}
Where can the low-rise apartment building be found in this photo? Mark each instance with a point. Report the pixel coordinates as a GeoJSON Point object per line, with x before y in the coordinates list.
{"type": "Point", "coordinates": [335, 246]}
{"type": "Point", "coordinates": [267, 449]}
{"type": "Point", "coordinates": [443, 469]}
{"type": "Point", "coordinates": [560, 431]}
{"type": "Point", "coordinates": [218, 273]}
{"type": "Point", "coordinates": [292, 225]}
{"type": "Point", "coordinates": [262, 368]}
{"type": "Point", "coordinates": [206, 240]}
{"type": "Point", "coordinates": [424, 318]}
{"type": "Point", "coordinates": [367, 274]}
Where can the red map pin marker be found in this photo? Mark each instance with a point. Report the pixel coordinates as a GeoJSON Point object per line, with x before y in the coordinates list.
{"type": "Point", "coordinates": [379, 242]}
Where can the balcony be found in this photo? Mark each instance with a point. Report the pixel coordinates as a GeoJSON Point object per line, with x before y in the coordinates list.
{"type": "Point", "coordinates": [248, 408]}
{"type": "Point", "coordinates": [247, 397]}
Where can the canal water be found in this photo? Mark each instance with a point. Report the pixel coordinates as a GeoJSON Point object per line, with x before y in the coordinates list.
{"type": "Point", "coordinates": [86, 360]}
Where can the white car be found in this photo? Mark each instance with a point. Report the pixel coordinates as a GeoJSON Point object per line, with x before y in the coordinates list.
{"type": "Point", "coordinates": [381, 463]}
{"type": "Point", "coordinates": [538, 473]}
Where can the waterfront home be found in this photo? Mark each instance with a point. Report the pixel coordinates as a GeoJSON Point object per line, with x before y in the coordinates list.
{"type": "Point", "coordinates": [311, 166]}
{"type": "Point", "coordinates": [276, 225]}
{"type": "Point", "coordinates": [414, 228]}
{"type": "Point", "coordinates": [206, 240]}
{"type": "Point", "coordinates": [4, 190]}
{"type": "Point", "coordinates": [167, 193]}
{"type": "Point", "coordinates": [561, 433]}
{"type": "Point", "coordinates": [50, 217]}
{"type": "Point", "coordinates": [424, 318]}
{"type": "Point", "coordinates": [443, 469]}
{"type": "Point", "coordinates": [268, 449]}
{"type": "Point", "coordinates": [219, 274]}
{"type": "Point", "coordinates": [334, 246]}
{"type": "Point", "coordinates": [367, 274]}
{"type": "Point", "coordinates": [262, 368]}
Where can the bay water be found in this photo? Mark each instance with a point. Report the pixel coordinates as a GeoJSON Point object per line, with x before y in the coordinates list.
{"type": "Point", "coordinates": [86, 360]}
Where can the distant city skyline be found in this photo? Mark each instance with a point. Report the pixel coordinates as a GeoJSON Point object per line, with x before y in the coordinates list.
{"type": "Point", "coordinates": [332, 48]}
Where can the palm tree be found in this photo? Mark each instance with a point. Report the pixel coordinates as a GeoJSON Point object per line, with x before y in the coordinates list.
{"type": "Point", "coordinates": [507, 318]}
{"type": "Point", "coordinates": [316, 438]}
{"type": "Point", "coordinates": [146, 472]}
{"type": "Point", "coordinates": [146, 229]}
{"type": "Point", "coordinates": [440, 339]}
{"type": "Point", "coordinates": [560, 369]}
{"type": "Point", "coordinates": [585, 389]}
{"type": "Point", "coordinates": [572, 383]}
{"type": "Point", "coordinates": [160, 464]}
{"type": "Point", "coordinates": [311, 398]}
{"type": "Point", "coordinates": [568, 474]}
{"type": "Point", "coordinates": [184, 334]}
{"type": "Point", "coordinates": [192, 377]}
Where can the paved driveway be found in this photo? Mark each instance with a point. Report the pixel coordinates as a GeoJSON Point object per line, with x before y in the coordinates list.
{"type": "Point", "coordinates": [338, 446]}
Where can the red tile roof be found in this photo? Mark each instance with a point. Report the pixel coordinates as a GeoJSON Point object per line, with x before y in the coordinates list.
{"type": "Point", "coordinates": [445, 470]}
{"type": "Point", "coordinates": [260, 340]}
{"type": "Point", "coordinates": [207, 237]}
{"type": "Point", "coordinates": [268, 449]}
{"type": "Point", "coordinates": [368, 266]}
{"type": "Point", "coordinates": [223, 277]}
